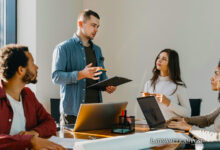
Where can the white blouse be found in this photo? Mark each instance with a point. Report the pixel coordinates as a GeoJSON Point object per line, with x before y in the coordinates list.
{"type": "Point", "coordinates": [179, 101]}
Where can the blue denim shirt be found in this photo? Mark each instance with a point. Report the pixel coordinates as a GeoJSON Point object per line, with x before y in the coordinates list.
{"type": "Point", "coordinates": [69, 58]}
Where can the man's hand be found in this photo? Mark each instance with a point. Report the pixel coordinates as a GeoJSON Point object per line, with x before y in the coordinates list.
{"type": "Point", "coordinates": [32, 132]}
{"type": "Point", "coordinates": [89, 72]}
{"type": "Point", "coordinates": [110, 89]}
{"type": "Point", "coordinates": [44, 144]}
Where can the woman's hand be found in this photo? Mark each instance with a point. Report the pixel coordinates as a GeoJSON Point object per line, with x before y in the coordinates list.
{"type": "Point", "coordinates": [176, 119]}
{"type": "Point", "coordinates": [145, 94]}
{"type": "Point", "coordinates": [162, 99]}
{"type": "Point", "coordinates": [179, 123]}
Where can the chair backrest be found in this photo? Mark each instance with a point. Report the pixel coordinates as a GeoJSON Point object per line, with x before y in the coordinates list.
{"type": "Point", "coordinates": [55, 109]}
{"type": "Point", "coordinates": [195, 106]}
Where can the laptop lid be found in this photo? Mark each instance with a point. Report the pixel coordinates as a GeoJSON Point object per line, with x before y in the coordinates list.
{"type": "Point", "coordinates": [96, 116]}
{"type": "Point", "coordinates": [152, 112]}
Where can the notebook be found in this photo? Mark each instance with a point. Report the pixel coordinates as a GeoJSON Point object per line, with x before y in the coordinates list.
{"type": "Point", "coordinates": [114, 81]}
{"type": "Point", "coordinates": [204, 135]}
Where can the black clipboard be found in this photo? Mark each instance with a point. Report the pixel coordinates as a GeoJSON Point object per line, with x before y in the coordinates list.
{"type": "Point", "coordinates": [114, 81]}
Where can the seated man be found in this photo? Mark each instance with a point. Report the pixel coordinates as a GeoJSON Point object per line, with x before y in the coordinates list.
{"type": "Point", "coordinates": [23, 120]}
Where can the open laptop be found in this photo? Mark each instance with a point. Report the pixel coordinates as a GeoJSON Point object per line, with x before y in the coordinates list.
{"type": "Point", "coordinates": [96, 116]}
{"type": "Point", "coordinates": [152, 112]}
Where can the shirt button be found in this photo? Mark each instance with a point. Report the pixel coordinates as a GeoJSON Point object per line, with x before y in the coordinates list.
{"type": "Point", "coordinates": [84, 58]}
{"type": "Point", "coordinates": [9, 120]}
{"type": "Point", "coordinates": [83, 100]}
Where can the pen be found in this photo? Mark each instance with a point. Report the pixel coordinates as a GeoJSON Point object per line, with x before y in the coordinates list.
{"type": "Point", "coordinates": [147, 94]}
{"type": "Point", "coordinates": [102, 69]}
{"type": "Point", "coordinates": [125, 118]}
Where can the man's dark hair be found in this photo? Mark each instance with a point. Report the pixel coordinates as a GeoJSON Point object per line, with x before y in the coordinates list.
{"type": "Point", "coordinates": [85, 14]}
{"type": "Point", "coordinates": [11, 57]}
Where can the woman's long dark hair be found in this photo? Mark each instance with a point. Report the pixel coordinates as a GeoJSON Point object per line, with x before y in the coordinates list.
{"type": "Point", "coordinates": [173, 68]}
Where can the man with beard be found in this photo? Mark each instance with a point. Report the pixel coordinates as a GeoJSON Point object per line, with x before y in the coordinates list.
{"type": "Point", "coordinates": [23, 120]}
{"type": "Point", "coordinates": [75, 65]}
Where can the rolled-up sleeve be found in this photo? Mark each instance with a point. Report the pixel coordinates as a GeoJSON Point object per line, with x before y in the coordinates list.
{"type": "Point", "coordinates": [59, 73]}
{"type": "Point", "coordinates": [20, 142]}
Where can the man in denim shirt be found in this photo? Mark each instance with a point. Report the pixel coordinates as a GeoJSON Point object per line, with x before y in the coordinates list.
{"type": "Point", "coordinates": [76, 65]}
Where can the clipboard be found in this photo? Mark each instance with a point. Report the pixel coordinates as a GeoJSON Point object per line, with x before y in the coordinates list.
{"type": "Point", "coordinates": [114, 81]}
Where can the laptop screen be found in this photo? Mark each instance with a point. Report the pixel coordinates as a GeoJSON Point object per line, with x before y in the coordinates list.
{"type": "Point", "coordinates": [151, 111]}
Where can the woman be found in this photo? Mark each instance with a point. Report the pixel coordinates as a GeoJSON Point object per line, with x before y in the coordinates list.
{"type": "Point", "coordinates": [201, 121]}
{"type": "Point", "coordinates": [167, 86]}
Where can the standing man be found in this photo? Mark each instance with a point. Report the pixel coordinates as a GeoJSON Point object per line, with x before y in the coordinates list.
{"type": "Point", "coordinates": [75, 65]}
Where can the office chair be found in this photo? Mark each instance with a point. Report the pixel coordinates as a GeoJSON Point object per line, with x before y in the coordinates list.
{"type": "Point", "coordinates": [55, 109]}
{"type": "Point", "coordinates": [195, 106]}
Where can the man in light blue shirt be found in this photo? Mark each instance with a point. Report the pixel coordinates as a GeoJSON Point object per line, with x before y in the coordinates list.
{"type": "Point", "coordinates": [76, 65]}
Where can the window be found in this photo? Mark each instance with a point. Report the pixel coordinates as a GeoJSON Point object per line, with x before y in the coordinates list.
{"type": "Point", "coordinates": [8, 22]}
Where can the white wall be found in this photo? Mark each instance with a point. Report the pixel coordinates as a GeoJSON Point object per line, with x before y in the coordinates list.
{"type": "Point", "coordinates": [26, 26]}
{"type": "Point", "coordinates": [42, 24]}
{"type": "Point", "coordinates": [133, 32]}
{"type": "Point", "coordinates": [131, 35]}
{"type": "Point", "coordinates": [56, 22]}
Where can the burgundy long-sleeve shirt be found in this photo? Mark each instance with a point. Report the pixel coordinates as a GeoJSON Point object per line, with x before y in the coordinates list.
{"type": "Point", "coordinates": [36, 116]}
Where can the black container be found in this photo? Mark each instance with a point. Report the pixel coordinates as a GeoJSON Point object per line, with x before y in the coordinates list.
{"type": "Point", "coordinates": [125, 125]}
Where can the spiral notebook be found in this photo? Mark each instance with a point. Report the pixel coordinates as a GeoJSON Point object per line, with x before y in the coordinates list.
{"type": "Point", "coordinates": [207, 136]}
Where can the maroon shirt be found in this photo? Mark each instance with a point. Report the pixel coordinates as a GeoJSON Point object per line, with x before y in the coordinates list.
{"type": "Point", "coordinates": [36, 116]}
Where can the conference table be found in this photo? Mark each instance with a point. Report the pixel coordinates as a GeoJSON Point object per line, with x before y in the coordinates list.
{"type": "Point", "coordinates": [105, 133]}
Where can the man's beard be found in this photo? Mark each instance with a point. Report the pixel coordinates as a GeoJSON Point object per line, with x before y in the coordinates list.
{"type": "Point", "coordinates": [28, 77]}
{"type": "Point", "coordinates": [90, 38]}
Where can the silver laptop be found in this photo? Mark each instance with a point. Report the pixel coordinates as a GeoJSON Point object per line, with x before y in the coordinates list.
{"type": "Point", "coordinates": [96, 116]}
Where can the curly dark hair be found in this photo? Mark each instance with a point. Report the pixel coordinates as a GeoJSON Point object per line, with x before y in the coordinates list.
{"type": "Point", "coordinates": [11, 57]}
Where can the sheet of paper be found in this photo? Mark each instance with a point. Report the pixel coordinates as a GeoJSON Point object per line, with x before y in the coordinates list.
{"type": "Point", "coordinates": [65, 142]}
{"type": "Point", "coordinates": [135, 141]}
